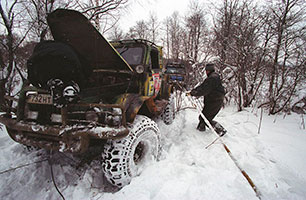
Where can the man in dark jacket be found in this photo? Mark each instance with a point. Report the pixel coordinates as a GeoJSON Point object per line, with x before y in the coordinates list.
{"type": "Point", "coordinates": [213, 93]}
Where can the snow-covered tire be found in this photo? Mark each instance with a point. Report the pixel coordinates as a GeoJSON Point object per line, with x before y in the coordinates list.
{"type": "Point", "coordinates": [169, 112]}
{"type": "Point", "coordinates": [125, 158]}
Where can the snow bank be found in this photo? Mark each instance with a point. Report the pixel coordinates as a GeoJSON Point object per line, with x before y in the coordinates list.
{"type": "Point", "coordinates": [274, 159]}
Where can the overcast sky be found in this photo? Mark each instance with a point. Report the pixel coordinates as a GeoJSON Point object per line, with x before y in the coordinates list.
{"type": "Point", "coordinates": [140, 10]}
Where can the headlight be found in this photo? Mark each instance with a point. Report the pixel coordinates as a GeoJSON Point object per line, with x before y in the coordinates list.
{"type": "Point", "coordinates": [110, 117]}
{"type": "Point", "coordinates": [139, 69]}
{"type": "Point", "coordinates": [56, 118]}
{"type": "Point", "coordinates": [71, 92]}
{"type": "Point", "coordinates": [32, 115]}
{"type": "Point", "coordinates": [117, 111]}
{"type": "Point", "coordinates": [113, 120]}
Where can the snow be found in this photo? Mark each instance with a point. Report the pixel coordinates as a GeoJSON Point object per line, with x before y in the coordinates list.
{"type": "Point", "coordinates": [274, 159]}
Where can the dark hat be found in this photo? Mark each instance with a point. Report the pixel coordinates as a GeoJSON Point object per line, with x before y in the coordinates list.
{"type": "Point", "coordinates": [210, 67]}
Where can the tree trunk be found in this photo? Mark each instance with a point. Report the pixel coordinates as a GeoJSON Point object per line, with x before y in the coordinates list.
{"type": "Point", "coordinates": [2, 94]}
{"type": "Point", "coordinates": [280, 30]}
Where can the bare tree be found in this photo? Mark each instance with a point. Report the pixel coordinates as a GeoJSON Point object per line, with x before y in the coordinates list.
{"type": "Point", "coordinates": [139, 31]}
{"type": "Point", "coordinates": [36, 15]}
{"type": "Point", "coordinates": [2, 83]}
{"type": "Point", "coordinates": [223, 28]}
{"type": "Point", "coordinates": [8, 21]}
{"type": "Point", "coordinates": [145, 29]}
{"type": "Point", "coordinates": [102, 12]}
{"type": "Point", "coordinates": [10, 15]}
{"type": "Point", "coordinates": [153, 26]}
{"type": "Point", "coordinates": [237, 40]}
{"type": "Point", "coordinates": [259, 45]}
{"type": "Point", "coordinates": [196, 31]}
{"type": "Point", "coordinates": [116, 33]}
{"type": "Point", "coordinates": [166, 39]}
{"type": "Point", "coordinates": [175, 32]}
{"type": "Point", "coordinates": [287, 22]}
{"type": "Point", "coordinates": [233, 43]}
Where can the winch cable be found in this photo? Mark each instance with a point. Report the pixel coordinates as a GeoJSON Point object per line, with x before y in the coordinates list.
{"type": "Point", "coordinates": [229, 153]}
{"type": "Point", "coordinates": [49, 159]}
{"type": "Point", "coordinates": [21, 166]}
{"type": "Point", "coordinates": [52, 174]}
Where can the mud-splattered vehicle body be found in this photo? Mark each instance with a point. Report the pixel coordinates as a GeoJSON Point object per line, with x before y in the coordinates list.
{"type": "Point", "coordinates": [81, 88]}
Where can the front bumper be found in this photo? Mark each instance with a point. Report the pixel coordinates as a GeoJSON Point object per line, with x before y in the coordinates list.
{"type": "Point", "coordinates": [74, 138]}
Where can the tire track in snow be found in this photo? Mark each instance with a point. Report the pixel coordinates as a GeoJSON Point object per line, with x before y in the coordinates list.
{"type": "Point", "coordinates": [181, 137]}
{"type": "Point", "coordinates": [201, 168]}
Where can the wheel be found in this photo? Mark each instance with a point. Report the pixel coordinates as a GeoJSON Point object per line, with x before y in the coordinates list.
{"type": "Point", "coordinates": [169, 112]}
{"type": "Point", "coordinates": [126, 157]}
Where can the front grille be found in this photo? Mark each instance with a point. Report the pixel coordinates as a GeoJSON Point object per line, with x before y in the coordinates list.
{"type": "Point", "coordinates": [51, 115]}
{"type": "Point", "coordinates": [40, 113]}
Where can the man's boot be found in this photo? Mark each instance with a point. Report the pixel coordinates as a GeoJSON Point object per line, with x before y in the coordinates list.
{"type": "Point", "coordinates": [220, 130]}
{"type": "Point", "coordinates": [201, 127]}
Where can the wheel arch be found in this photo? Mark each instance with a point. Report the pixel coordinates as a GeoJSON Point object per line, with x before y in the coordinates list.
{"type": "Point", "coordinates": [132, 104]}
{"type": "Point", "coordinates": [135, 104]}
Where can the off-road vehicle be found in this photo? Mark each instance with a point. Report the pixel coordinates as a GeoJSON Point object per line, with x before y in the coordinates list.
{"type": "Point", "coordinates": [175, 74]}
{"type": "Point", "coordinates": [82, 90]}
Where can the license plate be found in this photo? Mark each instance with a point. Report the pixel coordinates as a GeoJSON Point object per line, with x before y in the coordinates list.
{"type": "Point", "coordinates": [40, 99]}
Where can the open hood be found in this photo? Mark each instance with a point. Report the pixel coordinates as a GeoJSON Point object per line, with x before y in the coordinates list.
{"type": "Point", "coordinates": [73, 28]}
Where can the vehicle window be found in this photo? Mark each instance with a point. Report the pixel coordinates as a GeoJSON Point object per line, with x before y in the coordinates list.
{"type": "Point", "coordinates": [154, 59]}
{"type": "Point", "coordinates": [175, 70]}
{"type": "Point", "coordinates": [132, 55]}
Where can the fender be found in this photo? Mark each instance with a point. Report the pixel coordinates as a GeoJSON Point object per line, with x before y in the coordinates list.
{"type": "Point", "coordinates": [131, 104]}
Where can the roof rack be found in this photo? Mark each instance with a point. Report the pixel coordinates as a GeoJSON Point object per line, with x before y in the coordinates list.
{"type": "Point", "coordinates": [136, 41]}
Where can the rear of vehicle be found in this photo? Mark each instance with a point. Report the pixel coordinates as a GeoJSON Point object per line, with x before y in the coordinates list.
{"type": "Point", "coordinates": [176, 73]}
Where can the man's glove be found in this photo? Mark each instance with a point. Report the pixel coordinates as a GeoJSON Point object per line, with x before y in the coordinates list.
{"type": "Point", "coordinates": [193, 93]}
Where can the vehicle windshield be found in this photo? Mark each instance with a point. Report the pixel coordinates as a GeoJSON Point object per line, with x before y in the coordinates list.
{"type": "Point", "coordinates": [132, 55]}
{"type": "Point", "coordinates": [175, 70]}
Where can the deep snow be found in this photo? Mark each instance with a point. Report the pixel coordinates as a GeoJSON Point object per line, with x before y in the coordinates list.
{"type": "Point", "coordinates": [275, 159]}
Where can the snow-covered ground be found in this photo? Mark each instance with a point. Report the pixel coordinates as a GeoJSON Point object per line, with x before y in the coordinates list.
{"type": "Point", "coordinates": [275, 160]}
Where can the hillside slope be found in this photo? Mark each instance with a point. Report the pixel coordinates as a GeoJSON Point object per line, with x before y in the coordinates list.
{"type": "Point", "coordinates": [274, 159]}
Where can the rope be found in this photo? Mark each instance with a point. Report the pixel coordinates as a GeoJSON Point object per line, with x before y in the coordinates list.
{"type": "Point", "coordinates": [52, 175]}
{"type": "Point", "coordinates": [51, 169]}
{"type": "Point", "coordinates": [21, 166]}
{"type": "Point", "coordinates": [198, 105]}
{"type": "Point", "coordinates": [245, 175]}
{"type": "Point", "coordinates": [260, 120]}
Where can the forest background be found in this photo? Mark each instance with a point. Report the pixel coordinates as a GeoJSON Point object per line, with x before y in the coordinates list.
{"type": "Point", "coordinates": [259, 49]}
